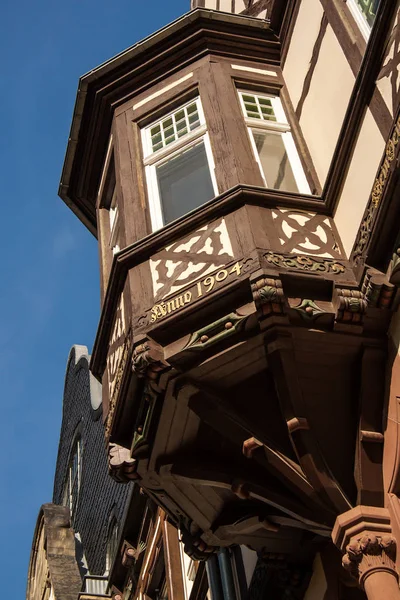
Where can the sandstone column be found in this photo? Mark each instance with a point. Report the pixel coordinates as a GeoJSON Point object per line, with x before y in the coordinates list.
{"type": "Point", "coordinates": [365, 537]}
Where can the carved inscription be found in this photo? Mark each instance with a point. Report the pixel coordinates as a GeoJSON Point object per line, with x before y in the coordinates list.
{"type": "Point", "coordinates": [201, 288]}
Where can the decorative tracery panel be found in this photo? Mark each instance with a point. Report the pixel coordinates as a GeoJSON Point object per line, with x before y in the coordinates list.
{"type": "Point", "coordinates": [305, 233]}
{"type": "Point", "coordinates": [181, 263]}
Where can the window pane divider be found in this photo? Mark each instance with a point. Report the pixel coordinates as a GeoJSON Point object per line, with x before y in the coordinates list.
{"type": "Point", "coordinates": [172, 149]}
{"type": "Point", "coordinates": [270, 125]}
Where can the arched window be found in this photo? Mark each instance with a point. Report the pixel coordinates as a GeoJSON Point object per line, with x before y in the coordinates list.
{"type": "Point", "coordinates": [74, 476]}
{"type": "Point", "coordinates": [112, 543]}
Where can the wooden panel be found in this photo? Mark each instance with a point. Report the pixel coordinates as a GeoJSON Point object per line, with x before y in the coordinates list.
{"type": "Point", "coordinates": [105, 253]}
{"type": "Point", "coordinates": [233, 157]}
{"type": "Point", "coordinates": [173, 567]}
{"type": "Point", "coordinates": [134, 215]}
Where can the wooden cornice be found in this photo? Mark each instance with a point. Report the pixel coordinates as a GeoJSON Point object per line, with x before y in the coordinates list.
{"type": "Point", "coordinates": [146, 247]}
{"type": "Point", "coordinates": [187, 39]}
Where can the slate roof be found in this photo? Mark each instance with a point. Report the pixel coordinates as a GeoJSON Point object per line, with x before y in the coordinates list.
{"type": "Point", "coordinates": [100, 498]}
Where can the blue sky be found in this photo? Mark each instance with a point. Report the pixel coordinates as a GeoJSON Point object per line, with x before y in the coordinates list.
{"type": "Point", "coordinates": [49, 298]}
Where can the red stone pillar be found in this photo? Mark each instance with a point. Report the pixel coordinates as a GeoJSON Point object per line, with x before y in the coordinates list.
{"type": "Point", "coordinates": [364, 535]}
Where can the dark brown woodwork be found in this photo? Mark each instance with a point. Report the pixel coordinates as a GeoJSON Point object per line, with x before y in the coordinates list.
{"type": "Point", "coordinates": [232, 153]}
{"type": "Point", "coordinates": [128, 160]}
{"type": "Point", "coordinates": [145, 248]}
{"type": "Point", "coordinates": [173, 559]}
{"type": "Point", "coordinates": [200, 584]}
{"type": "Point", "coordinates": [299, 140]}
{"type": "Point", "coordinates": [255, 7]}
{"type": "Point", "coordinates": [105, 253]}
{"type": "Point", "coordinates": [361, 97]}
{"type": "Point", "coordinates": [283, 365]}
{"type": "Point", "coordinates": [369, 454]}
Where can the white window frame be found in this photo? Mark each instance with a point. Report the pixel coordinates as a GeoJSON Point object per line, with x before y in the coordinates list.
{"type": "Point", "coordinates": [280, 126]}
{"type": "Point", "coordinates": [163, 155]}
{"type": "Point", "coordinates": [359, 18]}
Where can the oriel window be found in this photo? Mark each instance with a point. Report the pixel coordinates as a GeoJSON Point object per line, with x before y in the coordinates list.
{"type": "Point", "coordinates": [272, 142]}
{"type": "Point", "coordinates": [179, 164]}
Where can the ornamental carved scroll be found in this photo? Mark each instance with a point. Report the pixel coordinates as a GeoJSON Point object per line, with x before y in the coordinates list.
{"type": "Point", "coordinates": [364, 235]}
{"type": "Point", "coordinates": [305, 263]}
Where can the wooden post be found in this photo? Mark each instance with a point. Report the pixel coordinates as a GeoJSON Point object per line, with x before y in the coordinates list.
{"type": "Point", "coordinates": [173, 564]}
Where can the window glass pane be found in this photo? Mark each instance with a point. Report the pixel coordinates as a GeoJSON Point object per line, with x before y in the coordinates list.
{"type": "Point", "coordinates": [174, 126]}
{"type": "Point", "coordinates": [258, 107]}
{"type": "Point", "coordinates": [274, 161]}
{"type": "Point", "coordinates": [184, 182]}
{"type": "Point", "coordinates": [368, 8]}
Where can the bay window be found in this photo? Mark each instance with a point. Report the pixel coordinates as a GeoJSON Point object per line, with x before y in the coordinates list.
{"type": "Point", "coordinates": [179, 164]}
{"type": "Point", "coordinates": [272, 143]}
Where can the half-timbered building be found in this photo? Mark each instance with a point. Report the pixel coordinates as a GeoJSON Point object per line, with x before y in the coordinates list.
{"type": "Point", "coordinates": [239, 168]}
{"type": "Point", "coordinates": [98, 535]}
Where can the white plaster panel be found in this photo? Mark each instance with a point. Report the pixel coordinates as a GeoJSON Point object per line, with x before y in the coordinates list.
{"type": "Point", "coordinates": [225, 5]}
{"type": "Point", "coordinates": [359, 181]}
{"type": "Point", "coordinates": [301, 47]}
{"type": "Point", "coordinates": [318, 584]}
{"type": "Point", "coordinates": [249, 562]}
{"type": "Point", "coordinates": [239, 6]}
{"type": "Point", "coordinates": [326, 103]}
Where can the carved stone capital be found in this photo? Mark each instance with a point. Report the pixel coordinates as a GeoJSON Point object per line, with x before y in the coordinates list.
{"type": "Point", "coordinates": [364, 535]}
{"type": "Point", "coordinates": [369, 553]}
